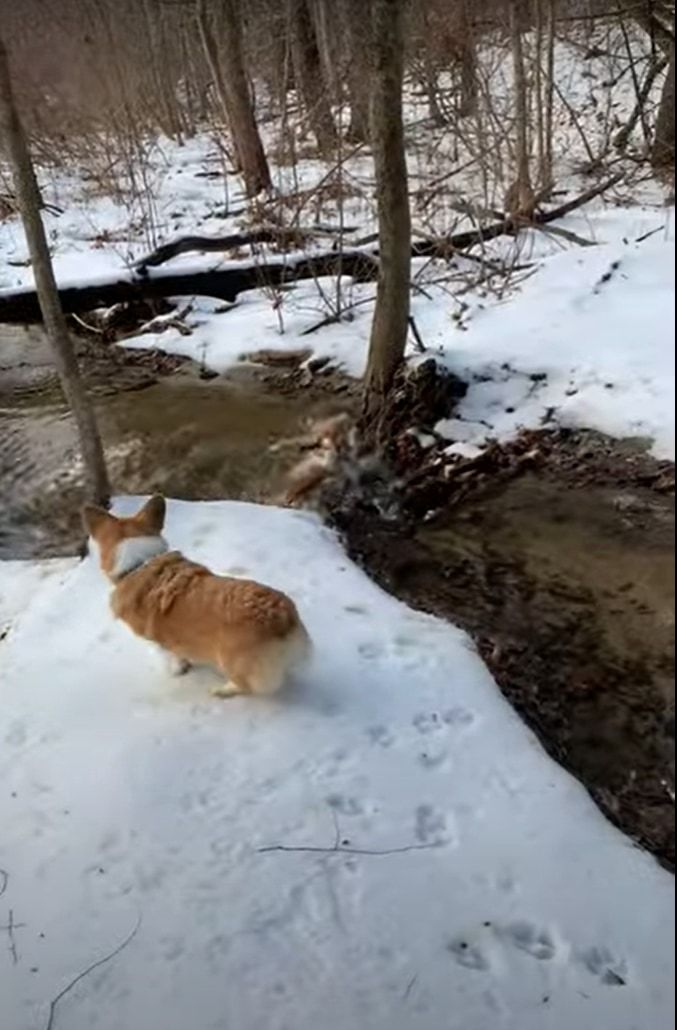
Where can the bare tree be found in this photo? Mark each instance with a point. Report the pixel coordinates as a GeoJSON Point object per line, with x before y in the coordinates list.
{"type": "Point", "coordinates": [28, 196]}
{"type": "Point", "coordinates": [354, 60]}
{"type": "Point", "coordinates": [391, 315]}
{"type": "Point", "coordinates": [663, 150]}
{"type": "Point", "coordinates": [228, 69]}
{"type": "Point", "coordinates": [311, 87]}
{"type": "Point", "coordinates": [520, 199]}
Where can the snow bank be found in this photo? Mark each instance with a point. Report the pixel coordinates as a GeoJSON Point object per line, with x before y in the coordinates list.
{"type": "Point", "coordinates": [467, 881]}
{"type": "Point", "coordinates": [586, 342]}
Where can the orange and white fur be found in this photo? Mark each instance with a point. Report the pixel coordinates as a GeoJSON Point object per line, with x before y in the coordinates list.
{"type": "Point", "coordinates": [249, 632]}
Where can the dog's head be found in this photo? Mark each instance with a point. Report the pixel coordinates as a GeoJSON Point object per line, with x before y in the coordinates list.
{"type": "Point", "coordinates": [126, 543]}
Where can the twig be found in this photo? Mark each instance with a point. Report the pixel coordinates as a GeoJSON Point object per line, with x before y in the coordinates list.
{"type": "Point", "coordinates": [10, 928]}
{"type": "Point", "coordinates": [566, 234]}
{"type": "Point", "coordinates": [417, 336]}
{"type": "Point", "coordinates": [90, 969]}
{"type": "Point", "coordinates": [410, 987]}
{"type": "Point", "coordinates": [647, 235]}
{"type": "Point", "coordinates": [341, 849]}
{"type": "Point", "coordinates": [86, 325]}
{"type": "Point", "coordinates": [4, 880]}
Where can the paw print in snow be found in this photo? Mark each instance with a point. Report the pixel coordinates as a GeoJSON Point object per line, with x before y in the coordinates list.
{"type": "Point", "coordinates": [430, 826]}
{"type": "Point", "coordinates": [380, 735]}
{"type": "Point", "coordinates": [345, 805]}
{"type": "Point", "coordinates": [467, 954]}
{"type": "Point", "coordinates": [531, 939]}
{"type": "Point", "coordinates": [427, 723]}
{"type": "Point", "coordinates": [599, 961]}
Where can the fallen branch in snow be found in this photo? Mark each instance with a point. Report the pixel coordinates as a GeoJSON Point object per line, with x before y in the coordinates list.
{"type": "Point", "coordinates": [4, 880]}
{"type": "Point", "coordinates": [342, 849]}
{"type": "Point", "coordinates": [222, 283]}
{"type": "Point", "coordinates": [445, 246]}
{"type": "Point", "coordinates": [420, 346]}
{"type": "Point", "coordinates": [649, 234]}
{"type": "Point", "coordinates": [90, 969]}
{"type": "Point", "coordinates": [227, 282]}
{"type": "Point", "coordinates": [218, 244]}
{"type": "Point", "coordinates": [10, 928]}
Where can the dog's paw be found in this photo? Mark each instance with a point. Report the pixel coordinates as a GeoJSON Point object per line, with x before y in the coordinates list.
{"type": "Point", "coordinates": [177, 666]}
{"type": "Point", "coordinates": [225, 690]}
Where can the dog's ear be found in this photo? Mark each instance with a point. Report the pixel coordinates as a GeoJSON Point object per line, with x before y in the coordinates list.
{"type": "Point", "coordinates": [152, 515]}
{"type": "Point", "coordinates": [94, 517]}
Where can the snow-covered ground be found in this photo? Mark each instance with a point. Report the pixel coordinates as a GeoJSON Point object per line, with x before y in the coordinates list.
{"type": "Point", "coordinates": [384, 846]}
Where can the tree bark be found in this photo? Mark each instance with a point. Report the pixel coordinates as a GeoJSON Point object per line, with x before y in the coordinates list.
{"type": "Point", "coordinates": [28, 196]}
{"type": "Point", "coordinates": [520, 200]}
{"type": "Point", "coordinates": [227, 66]}
{"type": "Point", "coordinates": [467, 59]}
{"type": "Point", "coordinates": [310, 85]}
{"type": "Point", "coordinates": [355, 62]}
{"type": "Point", "coordinates": [663, 149]}
{"type": "Point", "coordinates": [391, 314]}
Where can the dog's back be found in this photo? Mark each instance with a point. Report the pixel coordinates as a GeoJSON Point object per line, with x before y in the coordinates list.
{"type": "Point", "coordinates": [250, 632]}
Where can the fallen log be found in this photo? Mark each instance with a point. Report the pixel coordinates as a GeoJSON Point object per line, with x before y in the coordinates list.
{"type": "Point", "coordinates": [446, 246]}
{"type": "Point", "coordinates": [224, 283]}
{"type": "Point", "coordinates": [426, 246]}
{"type": "Point", "coordinates": [285, 237]}
{"type": "Point", "coordinates": [227, 282]}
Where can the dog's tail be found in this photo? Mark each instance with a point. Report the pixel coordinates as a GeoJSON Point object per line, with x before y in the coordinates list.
{"type": "Point", "coordinates": [278, 658]}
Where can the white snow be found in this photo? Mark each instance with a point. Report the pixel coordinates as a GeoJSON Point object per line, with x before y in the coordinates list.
{"type": "Point", "coordinates": [130, 800]}
{"type": "Point", "coordinates": [570, 348]}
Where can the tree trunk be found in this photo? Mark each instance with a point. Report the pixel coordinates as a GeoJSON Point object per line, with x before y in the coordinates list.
{"type": "Point", "coordinates": [310, 85]}
{"type": "Point", "coordinates": [467, 58]}
{"type": "Point", "coordinates": [663, 150]}
{"type": "Point", "coordinates": [390, 324]}
{"type": "Point", "coordinates": [230, 78]}
{"type": "Point", "coordinates": [163, 86]}
{"type": "Point", "coordinates": [622, 137]}
{"type": "Point", "coordinates": [355, 63]}
{"type": "Point", "coordinates": [520, 200]}
{"type": "Point", "coordinates": [28, 196]}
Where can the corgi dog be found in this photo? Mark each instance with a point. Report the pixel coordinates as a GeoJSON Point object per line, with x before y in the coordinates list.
{"type": "Point", "coordinates": [249, 632]}
{"type": "Point", "coordinates": [331, 441]}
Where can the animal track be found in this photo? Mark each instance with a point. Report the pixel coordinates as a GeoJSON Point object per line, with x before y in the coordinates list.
{"type": "Point", "coordinates": [430, 826]}
{"type": "Point", "coordinates": [467, 954]}
{"type": "Point", "coordinates": [380, 735]}
{"type": "Point", "coordinates": [345, 805]}
{"type": "Point", "coordinates": [529, 938]}
{"type": "Point", "coordinates": [458, 716]}
{"type": "Point", "coordinates": [603, 964]}
{"type": "Point", "coordinates": [433, 722]}
{"type": "Point", "coordinates": [432, 761]}
{"type": "Point", "coordinates": [368, 649]}
{"type": "Point", "coordinates": [426, 722]}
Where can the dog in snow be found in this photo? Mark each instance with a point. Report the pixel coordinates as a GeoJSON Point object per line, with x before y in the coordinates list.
{"type": "Point", "coordinates": [249, 632]}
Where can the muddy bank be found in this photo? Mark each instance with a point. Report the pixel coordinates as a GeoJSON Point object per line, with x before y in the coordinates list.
{"type": "Point", "coordinates": [564, 576]}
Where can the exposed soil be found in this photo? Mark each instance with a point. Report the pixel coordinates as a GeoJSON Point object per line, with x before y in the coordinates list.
{"type": "Point", "coordinates": [562, 571]}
